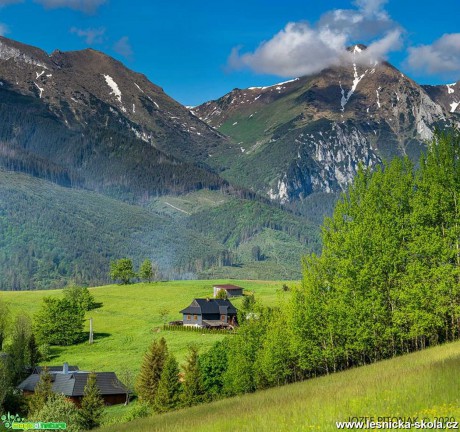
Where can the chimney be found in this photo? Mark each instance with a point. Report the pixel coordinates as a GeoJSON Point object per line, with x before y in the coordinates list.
{"type": "Point", "coordinates": [65, 368]}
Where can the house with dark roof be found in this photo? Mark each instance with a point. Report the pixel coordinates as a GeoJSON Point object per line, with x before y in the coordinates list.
{"type": "Point", "coordinates": [71, 382]}
{"type": "Point", "coordinates": [230, 290]}
{"type": "Point", "coordinates": [210, 313]}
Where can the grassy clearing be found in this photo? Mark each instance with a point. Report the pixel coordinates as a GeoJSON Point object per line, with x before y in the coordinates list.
{"type": "Point", "coordinates": [130, 318]}
{"type": "Point", "coordinates": [423, 384]}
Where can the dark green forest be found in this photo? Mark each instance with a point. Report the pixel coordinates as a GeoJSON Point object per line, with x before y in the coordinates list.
{"type": "Point", "coordinates": [51, 236]}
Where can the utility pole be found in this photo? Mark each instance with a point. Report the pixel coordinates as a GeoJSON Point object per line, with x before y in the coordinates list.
{"type": "Point", "coordinates": [91, 336]}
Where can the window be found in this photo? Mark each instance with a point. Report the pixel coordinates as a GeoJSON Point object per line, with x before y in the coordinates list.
{"type": "Point", "coordinates": [188, 317]}
{"type": "Point", "coordinates": [195, 317]}
{"type": "Point", "coordinates": [223, 318]}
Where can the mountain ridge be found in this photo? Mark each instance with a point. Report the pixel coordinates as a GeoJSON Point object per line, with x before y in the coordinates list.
{"type": "Point", "coordinates": [319, 128]}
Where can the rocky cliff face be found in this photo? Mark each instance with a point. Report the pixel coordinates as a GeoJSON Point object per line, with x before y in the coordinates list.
{"type": "Point", "coordinates": [448, 96]}
{"type": "Point", "coordinates": [310, 134]}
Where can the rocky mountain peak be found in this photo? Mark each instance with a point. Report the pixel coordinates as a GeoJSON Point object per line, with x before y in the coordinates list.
{"type": "Point", "coordinates": [309, 134]}
{"type": "Point", "coordinates": [88, 87]}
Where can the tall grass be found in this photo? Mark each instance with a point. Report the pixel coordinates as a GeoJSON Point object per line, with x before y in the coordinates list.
{"type": "Point", "coordinates": [424, 384]}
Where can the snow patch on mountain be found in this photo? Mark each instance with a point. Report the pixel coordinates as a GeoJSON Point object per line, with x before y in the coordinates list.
{"type": "Point", "coordinates": [139, 88]}
{"type": "Point", "coordinates": [450, 90]}
{"type": "Point", "coordinates": [40, 89]}
{"type": "Point", "coordinates": [114, 86]}
{"type": "Point", "coordinates": [453, 106]}
{"type": "Point", "coordinates": [274, 85]}
{"type": "Point", "coordinates": [356, 80]}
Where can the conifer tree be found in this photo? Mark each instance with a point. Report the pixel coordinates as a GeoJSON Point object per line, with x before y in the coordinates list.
{"type": "Point", "coordinates": [33, 352]}
{"type": "Point", "coordinates": [193, 388]}
{"type": "Point", "coordinates": [169, 387]}
{"type": "Point", "coordinates": [4, 321]}
{"type": "Point", "coordinates": [151, 369]}
{"type": "Point", "coordinates": [5, 382]}
{"type": "Point", "coordinates": [43, 391]}
{"type": "Point", "coordinates": [92, 405]}
{"type": "Point", "coordinates": [22, 330]}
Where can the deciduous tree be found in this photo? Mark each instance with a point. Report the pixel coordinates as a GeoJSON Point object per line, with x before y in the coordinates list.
{"type": "Point", "coordinates": [147, 270]}
{"type": "Point", "coordinates": [122, 270]}
{"type": "Point", "coordinates": [59, 322]}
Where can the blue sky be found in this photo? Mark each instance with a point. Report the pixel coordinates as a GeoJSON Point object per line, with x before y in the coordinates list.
{"type": "Point", "coordinates": [199, 50]}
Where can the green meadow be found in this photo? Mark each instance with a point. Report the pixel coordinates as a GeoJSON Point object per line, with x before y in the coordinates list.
{"type": "Point", "coordinates": [424, 384]}
{"type": "Point", "coordinates": [130, 318]}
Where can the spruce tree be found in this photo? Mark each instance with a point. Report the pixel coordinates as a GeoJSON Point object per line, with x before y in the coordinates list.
{"type": "Point", "coordinates": [19, 347]}
{"type": "Point", "coordinates": [4, 321]}
{"type": "Point", "coordinates": [92, 405]}
{"type": "Point", "coordinates": [169, 387]}
{"type": "Point", "coordinates": [43, 391]}
{"type": "Point", "coordinates": [33, 352]}
{"type": "Point", "coordinates": [5, 383]}
{"type": "Point", "coordinates": [193, 388]}
{"type": "Point", "coordinates": [151, 369]}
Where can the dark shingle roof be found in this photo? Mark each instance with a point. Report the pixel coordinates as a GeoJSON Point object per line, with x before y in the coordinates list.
{"type": "Point", "coordinates": [228, 287]}
{"type": "Point", "coordinates": [51, 369]}
{"type": "Point", "coordinates": [73, 383]}
{"type": "Point", "coordinates": [210, 306]}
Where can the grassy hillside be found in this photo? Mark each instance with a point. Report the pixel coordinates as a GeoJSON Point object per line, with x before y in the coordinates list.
{"type": "Point", "coordinates": [50, 235]}
{"type": "Point", "coordinates": [130, 318]}
{"type": "Point", "coordinates": [423, 384]}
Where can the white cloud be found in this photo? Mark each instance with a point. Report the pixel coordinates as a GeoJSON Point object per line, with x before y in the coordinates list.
{"type": "Point", "coordinates": [303, 49]}
{"type": "Point", "coordinates": [4, 29]}
{"type": "Point", "coordinates": [123, 47]}
{"type": "Point", "coordinates": [91, 35]}
{"type": "Point", "coordinates": [441, 57]}
{"type": "Point", "coordinates": [87, 6]}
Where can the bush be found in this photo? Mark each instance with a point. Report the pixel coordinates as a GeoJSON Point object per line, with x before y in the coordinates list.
{"type": "Point", "coordinates": [139, 410]}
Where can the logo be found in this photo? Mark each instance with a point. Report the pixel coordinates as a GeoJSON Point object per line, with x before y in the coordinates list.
{"type": "Point", "coordinates": [9, 419]}
{"type": "Point", "coordinates": [16, 422]}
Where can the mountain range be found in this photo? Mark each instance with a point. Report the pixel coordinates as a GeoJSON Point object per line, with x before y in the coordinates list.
{"type": "Point", "coordinates": [98, 163]}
